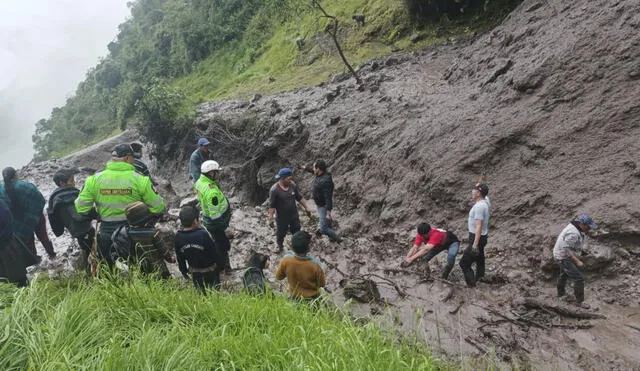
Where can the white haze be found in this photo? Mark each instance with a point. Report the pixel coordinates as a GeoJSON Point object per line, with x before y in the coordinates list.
{"type": "Point", "coordinates": [46, 47]}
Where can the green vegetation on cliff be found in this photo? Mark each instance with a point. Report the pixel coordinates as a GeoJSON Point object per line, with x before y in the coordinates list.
{"type": "Point", "coordinates": [183, 52]}
{"type": "Point", "coordinates": [129, 324]}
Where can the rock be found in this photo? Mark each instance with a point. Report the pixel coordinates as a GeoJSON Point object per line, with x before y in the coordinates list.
{"type": "Point", "coordinates": [334, 120]}
{"type": "Point", "coordinates": [256, 98]}
{"type": "Point", "coordinates": [269, 79]}
{"type": "Point", "coordinates": [375, 66]}
{"type": "Point", "coordinates": [634, 74]}
{"type": "Point", "coordinates": [502, 65]}
{"type": "Point", "coordinates": [415, 38]}
{"type": "Point", "coordinates": [391, 62]}
{"type": "Point", "coordinates": [598, 257]}
{"type": "Point", "coordinates": [361, 290]}
{"type": "Point", "coordinates": [312, 59]}
{"type": "Point", "coordinates": [340, 77]}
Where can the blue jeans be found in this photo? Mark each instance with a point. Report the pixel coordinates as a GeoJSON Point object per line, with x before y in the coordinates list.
{"type": "Point", "coordinates": [325, 227]}
{"type": "Point", "coordinates": [451, 255]}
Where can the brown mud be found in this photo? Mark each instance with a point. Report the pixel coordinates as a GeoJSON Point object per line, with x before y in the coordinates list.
{"type": "Point", "coordinates": [546, 105]}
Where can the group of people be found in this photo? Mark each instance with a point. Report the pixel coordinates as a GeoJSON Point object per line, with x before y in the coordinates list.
{"type": "Point", "coordinates": [429, 242]}
{"type": "Point", "coordinates": [123, 199]}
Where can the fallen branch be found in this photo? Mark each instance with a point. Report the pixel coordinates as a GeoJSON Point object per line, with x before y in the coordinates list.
{"type": "Point", "coordinates": [334, 266]}
{"type": "Point", "coordinates": [561, 310]}
{"type": "Point", "coordinates": [476, 345]}
{"type": "Point", "coordinates": [580, 326]}
{"type": "Point", "coordinates": [633, 327]}
{"type": "Point", "coordinates": [495, 312]}
{"type": "Point", "coordinates": [400, 291]}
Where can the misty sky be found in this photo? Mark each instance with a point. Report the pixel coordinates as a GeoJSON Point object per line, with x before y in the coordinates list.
{"type": "Point", "coordinates": [46, 47]}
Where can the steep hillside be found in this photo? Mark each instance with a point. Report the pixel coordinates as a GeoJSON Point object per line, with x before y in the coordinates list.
{"type": "Point", "coordinates": [546, 105]}
{"type": "Point", "coordinates": [175, 53]}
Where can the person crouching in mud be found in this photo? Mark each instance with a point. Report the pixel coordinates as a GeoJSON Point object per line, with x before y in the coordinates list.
{"type": "Point", "coordinates": [430, 242]}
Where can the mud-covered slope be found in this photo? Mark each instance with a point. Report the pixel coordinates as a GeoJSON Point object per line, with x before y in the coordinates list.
{"type": "Point", "coordinates": [546, 105]}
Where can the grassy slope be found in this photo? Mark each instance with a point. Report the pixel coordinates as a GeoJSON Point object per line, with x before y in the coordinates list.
{"type": "Point", "coordinates": [387, 29]}
{"type": "Point", "coordinates": [77, 324]}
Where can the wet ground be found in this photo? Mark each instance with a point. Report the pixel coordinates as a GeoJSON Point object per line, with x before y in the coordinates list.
{"type": "Point", "coordinates": [545, 105]}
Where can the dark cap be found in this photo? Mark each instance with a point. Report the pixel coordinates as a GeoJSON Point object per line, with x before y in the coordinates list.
{"type": "Point", "coordinates": [122, 150]}
{"type": "Point", "coordinates": [483, 188]}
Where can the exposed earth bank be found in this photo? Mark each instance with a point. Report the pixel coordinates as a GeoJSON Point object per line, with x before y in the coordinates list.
{"type": "Point", "coordinates": [546, 105]}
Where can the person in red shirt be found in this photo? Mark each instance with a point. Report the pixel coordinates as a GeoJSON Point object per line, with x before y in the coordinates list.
{"type": "Point", "coordinates": [430, 242]}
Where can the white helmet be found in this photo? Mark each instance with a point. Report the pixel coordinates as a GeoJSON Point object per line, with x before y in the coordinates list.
{"type": "Point", "coordinates": [208, 166]}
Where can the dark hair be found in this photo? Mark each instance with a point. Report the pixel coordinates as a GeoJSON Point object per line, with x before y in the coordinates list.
{"type": "Point", "coordinates": [300, 242]}
{"type": "Point", "coordinates": [257, 260]}
{"type": "Point", "coordinates": [62, 176]}
{"type": "Point", "coordinates": [423, 228]}
{"type": "Point", "coordinates": [188, 215]}
{"type": "Point", "coordinates": [320, 165]}
{"type": "Point", "coordinates": [9, 177]}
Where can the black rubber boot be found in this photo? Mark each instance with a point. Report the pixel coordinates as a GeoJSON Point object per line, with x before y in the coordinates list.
{"type": "Point", "coordinates": [578, 291]}
{"type": "Point", "coordinates": [562, 282]}
{"type": "Point", "coordinates": [470, 278]}
{"type": "Point", "coordinates": [447, 269]}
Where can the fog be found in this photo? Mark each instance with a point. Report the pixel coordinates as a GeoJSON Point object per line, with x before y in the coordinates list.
{"type": "Point", "coordinates": [46, 47]}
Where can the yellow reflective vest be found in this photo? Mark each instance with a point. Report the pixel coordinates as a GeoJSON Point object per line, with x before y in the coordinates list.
{"type": "Point", "coordinates": [212, 201]}
{"type": "Point", "coordinates": [113, 189]}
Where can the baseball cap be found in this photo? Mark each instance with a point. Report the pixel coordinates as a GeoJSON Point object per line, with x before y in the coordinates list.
{"type": "Point", "coordinates": [122, 150]}
{"type": "Point", "coordinates": [284, 172]}
{"type": "Point", "coordinates": [483, 188]}
{"type": "Point", "coordinates": [586, 219]}
{"type": "Point", "coordinates": [203, 142]}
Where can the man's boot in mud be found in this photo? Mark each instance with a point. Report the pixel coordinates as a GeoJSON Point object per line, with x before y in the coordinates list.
{"type": "Point", "coordinates": [578, 291]}
{"type": "Point", "coordinates": [562, 282]}
{"type": "Point", "coordinates": [333, 236]}
{"type": "Point", "coordinates": [447, 269]}
{"type": "Point", "coordinates": [470, 278]}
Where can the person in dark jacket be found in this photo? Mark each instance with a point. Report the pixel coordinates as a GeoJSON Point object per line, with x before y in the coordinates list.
{"type": "Point", "coordinates": [141, 167]}
{"type": "Point", "coordinates": [196, 251]}
{"type": "Point", "coordinates": [62, 213]}
{"type": "Point", "coordinates": [26, 204]}
{"type": "Point", "coordinates": [323, 197]}
{"type": "Point", "coordinates": [198, 157]}
{"type": "Point", "coordinates": [283, 196]}
{"type": "Point", "coordinates": [12, 267]}
{"type": "Point", "coordinates": [138, 242]}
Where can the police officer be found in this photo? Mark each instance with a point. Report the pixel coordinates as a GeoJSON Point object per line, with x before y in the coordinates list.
{"type": "Point", "coordinates": [112, 190]}
{"type": "Point", "coordinates": [216, 211]}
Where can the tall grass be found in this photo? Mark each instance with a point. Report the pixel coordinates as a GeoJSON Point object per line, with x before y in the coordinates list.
{"type": "Point", "coordinates": [125, 325]}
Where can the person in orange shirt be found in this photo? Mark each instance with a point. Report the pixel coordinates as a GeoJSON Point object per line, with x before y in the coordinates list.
{"type": "Point", "coordinates": [303, 273]}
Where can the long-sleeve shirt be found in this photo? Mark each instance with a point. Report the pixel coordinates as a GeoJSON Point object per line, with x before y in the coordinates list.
{"type": "Point", "coordinates": [569, 243]}
{"type": "Point", "coordinates": [303, 273]}
{"type": "Point", "coordinates": [196, 248]}
{"type": "Point", "coordinates": [195, 162]}
{"type": "Point", "coordinates": [28, 208]}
